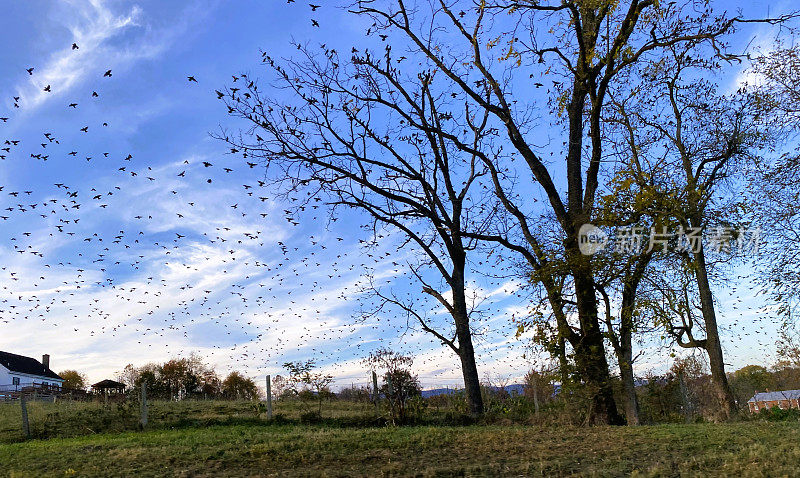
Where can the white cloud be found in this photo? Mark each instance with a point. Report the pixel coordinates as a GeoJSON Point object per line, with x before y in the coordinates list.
{"type": "Point", "coordinates": [92, 24]}
{"type": "Point", "coordinates": [108, 38]}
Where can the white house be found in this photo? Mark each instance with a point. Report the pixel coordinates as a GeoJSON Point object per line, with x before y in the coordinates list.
{"type": "Point", "coordinates": [17, 371]}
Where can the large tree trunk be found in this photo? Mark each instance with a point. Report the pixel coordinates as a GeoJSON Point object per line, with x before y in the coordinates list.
{"type": "Point", "coordinates": [713, 345]}
{"type": "Point", "coordinates": [590, 355]}
{"type": "Point", "coordinates": [625, 362]}
{"type": "Point", "coordinates": [593, 368]}
{"type": "Point", "coordinates": [563, 362]}
{"type": "Point", "coordinates": [466, 352]}
{"type": "Point", "coordinates": [625, 344]}
{"type": "Point", "coordinates": [470, 373]}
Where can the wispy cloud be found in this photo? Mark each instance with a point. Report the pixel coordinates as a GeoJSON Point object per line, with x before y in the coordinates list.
{"type": "Point", "coordinates": [92, 24]}
{"type": "Point", "coordinates": [108, 38]}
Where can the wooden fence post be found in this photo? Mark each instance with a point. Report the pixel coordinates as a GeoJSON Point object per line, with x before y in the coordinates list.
{"type": "Point", "coordinates": [25, 425]}
{"type": "Point", "coordinates": [391, 396]}
{"type": "Point", "coordinates": [269, 398]}
{"type": "Point", "coordinates": [143, 420]}
{"type": "Point", "coordinates": [375, 390]}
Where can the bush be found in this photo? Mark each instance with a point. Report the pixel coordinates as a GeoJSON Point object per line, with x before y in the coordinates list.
{"type": "Point", "coordinates": [456, 400]}
{"type": "Point", "coordinates": [355, 394]}
{"type": "Point", "coordinates": [315, 385]}
{"type": "Point", "coordinates": [400, 387]}
{"type": "Point", "coordinates": [777, 414]}
{"type": "Point", "coordinates": [310, 417]}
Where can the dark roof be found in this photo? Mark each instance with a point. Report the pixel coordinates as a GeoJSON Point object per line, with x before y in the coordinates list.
{"type": "Point", "coordinates": [26, 365]}
{"type": "Point", "coordinates": [108, 384]}
{"type": "Point", "coordinates": [775, 396]}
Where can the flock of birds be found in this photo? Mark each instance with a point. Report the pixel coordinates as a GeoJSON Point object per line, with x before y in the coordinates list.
{"type": "Point", "coordinates": [150, 254]}
{"type": "Point", "coordinates": [96, 261]}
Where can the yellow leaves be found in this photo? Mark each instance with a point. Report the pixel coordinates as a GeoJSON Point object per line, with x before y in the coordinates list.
{"type": "Point", "coordinates": [563, 101]}
{"type": "Point", "coordinates": [627, 52]}
{"type": "Point", "coordinates": [623, 184]}
{"type": "Point", "coordinates": [592, 4]}
{"type": "Point", "coordinates": [511, 52]}
{"type": "Point", "coordinates": [493, 43]}
{"type": "Point", "coordinates": [597, 5]}
{"type": "Point", "coordinates": [629, 191]}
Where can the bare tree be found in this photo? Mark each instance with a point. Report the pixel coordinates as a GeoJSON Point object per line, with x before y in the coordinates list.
{"type": "Point", "coordinates": [307, 383]}
{"type": "Point", "coordinates": [361, 133]}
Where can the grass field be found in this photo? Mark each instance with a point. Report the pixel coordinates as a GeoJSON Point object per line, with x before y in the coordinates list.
{"type": "Point", "coordinates": [70, 419]}
{"type": "Point", "coordinates": [743, 449]}
{"type": "Point", "coordinates": [235, 439]}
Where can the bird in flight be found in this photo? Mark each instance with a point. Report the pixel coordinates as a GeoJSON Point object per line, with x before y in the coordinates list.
{"type": "Point", "coordinates": [75, 46]}
{"type": "Point", "coordinates": [107, 74]}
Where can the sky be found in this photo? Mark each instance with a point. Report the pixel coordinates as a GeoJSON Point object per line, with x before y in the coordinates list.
{"type": "Point", "coordinates": [120, 246]}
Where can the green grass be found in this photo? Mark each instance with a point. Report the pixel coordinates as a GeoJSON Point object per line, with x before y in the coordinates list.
{"type": "Point", "coordinates": [71, 419]}
{"type": "Point", "coordinates": [744, 449]}
{"type": "Point", "coordinates": [223, 438]}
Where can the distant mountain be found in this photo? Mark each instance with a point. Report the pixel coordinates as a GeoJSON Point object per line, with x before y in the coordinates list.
{"type": "Point", "coordinates": [515, 389]}
{"type": "Point", "coordinates": [439, 391]}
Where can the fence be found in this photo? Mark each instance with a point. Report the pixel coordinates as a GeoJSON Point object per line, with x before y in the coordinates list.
{"type": "Point", "coordinates": [41, 393]}
{"type": "Point", "coordinates": [49, 412]}
{"type": "Point", "coordinates": [22, 417]}
{"type": "Point", "coordinates": [69, 418]}
{"type": "Point", "coordinates": [44, 412]}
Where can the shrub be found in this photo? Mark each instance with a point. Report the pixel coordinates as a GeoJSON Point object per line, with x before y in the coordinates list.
{"type": "Point", "coordinates": [310, 417]}
{"type": "Point", "coordinates": [315, 385]}
{"type": "Point", "coordinates": [399, 387]}
{"type": "Point", "coordinates": [356, 394]}
{"type": "Point", "coordinates": [777, 414]}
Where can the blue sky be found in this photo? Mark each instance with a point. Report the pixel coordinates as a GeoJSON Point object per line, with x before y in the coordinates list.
{"type": "Point", "coordinates": [124, 280]}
